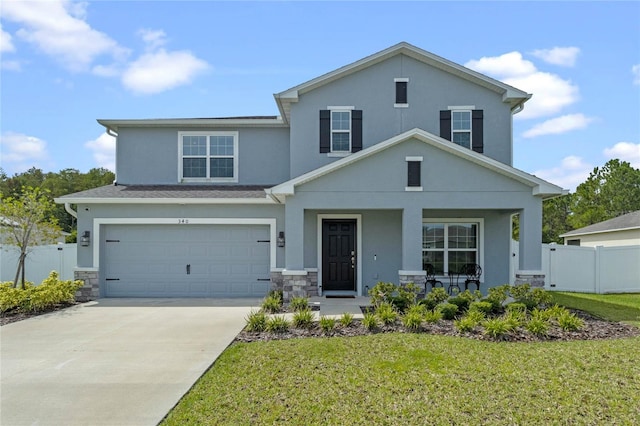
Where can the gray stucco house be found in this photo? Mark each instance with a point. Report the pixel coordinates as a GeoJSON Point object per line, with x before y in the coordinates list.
{"type": "Point", "coordinates": [370, 172]}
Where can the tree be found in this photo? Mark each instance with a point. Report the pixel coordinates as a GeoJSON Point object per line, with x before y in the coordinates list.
{"type": "Point", "coordinates": [555, 218]}
{"type": "Point", "coordinates": [608, 192]}
{"type": "Point", "coordinates": [27, 221]}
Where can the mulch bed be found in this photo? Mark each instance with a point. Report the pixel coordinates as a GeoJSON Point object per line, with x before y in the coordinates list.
{"type": "Point", "coordinates": [594, 329]}
{"type": "Point", "coordinates": [15, 316]}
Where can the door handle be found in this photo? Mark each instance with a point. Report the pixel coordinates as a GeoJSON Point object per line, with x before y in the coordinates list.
{"type": "Point", "coordinates": [188, 269]}
{"type": "Point", "coordinates": [353, 259]}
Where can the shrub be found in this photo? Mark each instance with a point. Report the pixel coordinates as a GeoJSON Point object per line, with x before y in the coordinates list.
{"type": "Point", "coordinates": [277, 324]}
{"type": "Point", "coordinates": [272, 303]}
{"type": "Point", "coordinates": [516, 307]}
{"type": "Point", "coordinates": [532, 298]}
{"type": "Point", "coordinates": [480, 306]}
{"type": "Point", "coordinates": [412, 320]}
{"type": "Point", "coordinates": [435, 297]}
{"type": "Point", "coordinates": [477, 316]}
{"type": "Point", "coordinates": [386, 313]}
{"type": "Point", "coordinates": [370, 321]}
{"type": "Point", "coordinates": [569, 322]}
{"type": "Point", "coordinates": [515, 317]}
{"type": "Point", "coordinates": [462, 300]}
{"type": "Point", "coordinates": [496, 328]}
{"type": "Point", "coordinates": [556, 310]}
{"type": "Point", "coordinates": [449, 310]}
{"type": "Point", "coordinates": [327, 324]}
{"type": "Point", "coordinates": [497, 296]}
{"type": "Point", "coordinates": [405, 296]}
{"type": "Point", "coordinates": [299, 303]}
{"type": "Point", "coordinates": [256, 321]}
{"type": "Point", "coordinates": [346, 319]}
{"type": "Point", "coordinates": [303, 318]}
{"type": "Point", "coordinates": [465, 324]}
{"type": "Point", "coordinates": [542, 314]}
{"type": "Point", "coordinates": [382, 293]}
{"type": "Point", "coordinates": [433, 316]}
{"type": "Point", "coordinates": [416, 309]}
{"type": "Point", "coordinates": [51, 292]}
{"type": "Point", "coordinates": [537, 326]}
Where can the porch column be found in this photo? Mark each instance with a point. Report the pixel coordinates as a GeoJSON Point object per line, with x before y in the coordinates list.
{"type": "Point", "coordinates": [530, 262]}
{"type": "Point", "coordinates": [294, 281]}
{"type": "Point", "coordinates": [412, 246]}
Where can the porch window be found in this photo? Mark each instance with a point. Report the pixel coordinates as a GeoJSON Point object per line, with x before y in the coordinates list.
{"type": "Point", "coordinates": [448, 246]}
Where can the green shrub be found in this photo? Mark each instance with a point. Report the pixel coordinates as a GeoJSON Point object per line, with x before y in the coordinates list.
{"type": "Point", "coordinates": [556, 310]}
{"type": "Point", "coordinates": [412, 320]}
{"type": "Point", "coordinates": [516, 317]}
{"type": "Point", "coordinates": [386, 313]}
{"type": "Point", "coordinates": [477, 316]}
{"type": "Point", "coordinates": [382, 293]}
{"type": "Point", "coordinates": [299, 303]}
{"type": "Point", "coordinates": [537, 326]}
{"type": "Point", "coordinates": [532, 298]}
{"type": "Point", "coordinates": [256, 321]}
{"type": "Point", "coordinates": [435, 297]}
{"type": "Point", "coordinates": [481, 306]}
{"type": "Point", "coordinates": [12, 298]}
{"type": "Point", "coordinates": [346, 319]}
{"type": "Point", "coordinates": [449, 310]}
{"type": "Point", "coordinates": [51, 292]}
{"type": "Point", "coordinates": [516, 307]}
{"type": "Point", "coordinates": [401, 297]}
{"type": "Point", "coordinates": [465, 324]}
{"type": "Point", "coordinates": [416, 309]}
{"type": "Point", "coordinates": [569, 322]}
{"type": "Point", "coordinates": [496, 328]}
{"type": "Point", "coordinates": [497, 296]}
{"type": "Point", "coordinates": [303, 318]}
{"type": "Point", "coordinates": [370, 321]}
{"type": "Point", "coordinates": [277, 324]}
{"type": "Point", "coordinates": [272, 303]}
{"type": "Point", "coordinates": [327, 324]}
{"type": "Point", "coordinates": [432, 316]}
{"type": "Point", "coordinates": [542, 314]}
{"type": "Point", "coordinates": [462, 300]}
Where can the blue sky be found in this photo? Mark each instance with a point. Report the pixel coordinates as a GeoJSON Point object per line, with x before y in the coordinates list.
{"type": "Point", "coordinates": [64, 64]}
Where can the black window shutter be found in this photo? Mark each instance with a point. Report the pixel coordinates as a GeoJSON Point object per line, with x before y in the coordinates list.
{"type": "Point", "coordinates": [356, 130]}
{"type": "Point", "coordinates": [401, 92]}
{"type": "Point", "coordinates": [325, 130]}
{"type": "Point", "coordinates": [477, 130]}
{"type": "Point", "coordinates": [413, 173]}
{"type": "Point", "coordinates": [445, 125]}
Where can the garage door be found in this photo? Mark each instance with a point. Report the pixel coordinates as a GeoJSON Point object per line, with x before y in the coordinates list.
{"type": "Point", "coordinates": [185, 260]}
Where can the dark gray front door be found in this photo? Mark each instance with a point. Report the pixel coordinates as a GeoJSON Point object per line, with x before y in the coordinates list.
{"type": "Point", "coordinates": [339, 255]}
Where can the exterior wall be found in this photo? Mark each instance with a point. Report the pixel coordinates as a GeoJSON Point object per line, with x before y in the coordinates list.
{"type": "Point", "coordinates": [373, 91]}
{"type": "Point", "coordinates": [629, 237]}
{"type": "Point", "coordinates": [150, 156]}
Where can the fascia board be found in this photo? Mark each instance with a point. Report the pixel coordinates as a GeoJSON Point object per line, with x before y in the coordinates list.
{"type": "Point", "coordinates": [91, 200]}
{"type": "Point", "coordinates": [578, 234]}
{"type": "Point", "coordinates": [192, 123]}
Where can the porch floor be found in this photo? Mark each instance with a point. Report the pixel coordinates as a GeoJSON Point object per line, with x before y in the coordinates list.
{"type": "Point", "coordinates": [338, 306]}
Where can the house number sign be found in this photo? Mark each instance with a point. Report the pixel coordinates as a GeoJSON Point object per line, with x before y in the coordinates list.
{"type": "Point", "coordinates": [183, 221]}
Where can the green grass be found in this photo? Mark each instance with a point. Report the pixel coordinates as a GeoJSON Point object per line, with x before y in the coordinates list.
{"type": "Point", "coordinates": [614, 307]}
{"type": "Point", "coordinates": [417, 379]}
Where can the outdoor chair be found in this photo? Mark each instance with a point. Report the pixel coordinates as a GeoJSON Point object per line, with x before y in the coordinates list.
{"type": "Point", "coordinates": [472, 273]}
{"type": "Point", "coordinates": [431, 277]}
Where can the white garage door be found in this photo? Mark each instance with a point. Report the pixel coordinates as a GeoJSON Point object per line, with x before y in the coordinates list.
{"type": "Point", "coordinates": [185, 260]}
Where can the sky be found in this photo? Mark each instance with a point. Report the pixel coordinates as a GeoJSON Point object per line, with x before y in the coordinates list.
{"type": "Point", "coordinates": [64, 64]}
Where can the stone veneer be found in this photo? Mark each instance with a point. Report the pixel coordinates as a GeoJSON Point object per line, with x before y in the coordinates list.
{"type": "Point", "coordinates": [295, 285]}
{"type": "Point", "coordinates": [534, 278]}
{"type": "Point", "coordinates": [91, 288]}
{"type": "Point", "coordinates": [418, 279]}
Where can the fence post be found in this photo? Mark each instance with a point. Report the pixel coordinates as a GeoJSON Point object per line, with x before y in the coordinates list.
{"type": "Point", "coordinates": [598, 288]}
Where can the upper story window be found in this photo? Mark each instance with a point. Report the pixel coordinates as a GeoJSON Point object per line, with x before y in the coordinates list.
{"type": "Point", "coordinates": [463, 126]}
{"type": "Point", "coordinates": [340, 131]}
{"type": "Point", "coordinates": [414, 173]}
{"type": "Point", "coordinates": [401, 92]}
{"type": "Point", "coordinates": [209, 156]}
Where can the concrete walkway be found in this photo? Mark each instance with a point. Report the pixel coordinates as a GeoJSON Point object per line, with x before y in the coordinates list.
{"type": "Point", "coordinates": [113, 361]}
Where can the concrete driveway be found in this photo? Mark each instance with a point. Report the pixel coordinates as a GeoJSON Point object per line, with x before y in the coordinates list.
{"type": "Point", "coordinates": [112, 361]}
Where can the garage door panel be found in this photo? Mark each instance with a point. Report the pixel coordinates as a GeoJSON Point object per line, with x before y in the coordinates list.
{"type": "Point", "coordinates": [151, 260]}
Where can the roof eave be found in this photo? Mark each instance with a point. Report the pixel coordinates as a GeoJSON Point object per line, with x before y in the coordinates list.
{"type": "Point", "coordinates": [578, 234]}
{"type": "Point", "coordinates": [114, 124]}
{"type": "Point", "coordinates": [179, 201]}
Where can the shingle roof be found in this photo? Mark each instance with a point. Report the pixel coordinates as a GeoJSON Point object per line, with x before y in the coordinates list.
{"type": "Point", "coordinates": [626, 221]}
{"type": "Point", "coordinates": [167, 192]}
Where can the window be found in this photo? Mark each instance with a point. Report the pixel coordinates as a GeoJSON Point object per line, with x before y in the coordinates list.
{"type": "Point", "coordinates": [401, 92]}
{"type": "Point", "coordinates": [414, 178]}
{"type": "Point", "coordinates": [573, 242]}
{"type": "Point", "coordinates": [340, 131]}
{"type": "Point", "coordinates": [448, 246]}
{"type": "Point", "coordinates": [463, 126]}
{"type": "Point", "coordinates": [210, 156]}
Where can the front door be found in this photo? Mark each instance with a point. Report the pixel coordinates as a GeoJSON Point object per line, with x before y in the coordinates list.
{"type": "Point", "coordinates": [339, 255]}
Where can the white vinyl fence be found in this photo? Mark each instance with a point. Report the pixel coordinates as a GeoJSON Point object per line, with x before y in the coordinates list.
{"type": "Point", "coordinates": [40, 262]}
{"type": "Point", "coordinates": [588, 269]}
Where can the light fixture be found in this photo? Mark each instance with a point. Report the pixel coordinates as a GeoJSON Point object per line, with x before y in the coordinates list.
{"type": "Point", "coordinates": [281, 239]}
{"type": "Point", "coordinates": [85, 239]}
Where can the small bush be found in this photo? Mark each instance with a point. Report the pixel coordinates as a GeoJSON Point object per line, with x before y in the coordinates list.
{"type": "Point", "coordinates": [496, 328]}
{"type": "Point", "coordinates": [370, 321]}
{"type": "Point", "coordinates": [465, 324]}
{"type": "Point", "coordinates": [484, 307]}
{"type": "Point", "coordinates": [327, 324]}
{"type": "Point", "coordinates": [256, 321]}
{"type": "Point", "coordinates": [382, 293]}
{"type": "Point", "coordinates": [405, 296]}
{"type": "Point", "coordinates": [433, 316]}
{"type": "Point", "coordinates": [416, 309]}
{"type": "Point", "coordinates": [569, 322]}
{"type": "Point", "coordinates": [299, 303]}
{"type": "Point", "coordinates": [412, 320]}
{"type": "Point", "coordinates": [386, 313]}
{"type": "Point", "coordinates": [556, 310]}
{"type": "Point", "coordinates": [516, 307]}
{"type": "Point", "coordinates": [277, 324]}
{"type": "Point", "coordinates": [449, 310]}
{"type": "Point", "coordinates": [50, 293]}
{"type": "Point", "coordinates": [272, 303]}
{"type": "Point", "coordinates": [435, 297]}
{"type": "Point", "coordinates": [497, 296]}
{"type": "Point", "coordinates": [537, 326]}
{"type": "Point", "coordinates": [477, 316]}
{"type": "Point", "coordinates": [515, 317]}
{"type": "Point", "coordinates": [542, 314]}
{"type": "Point", "coordinates": [465, 298]}
{"type": "Point", "coordinates": [303, 318]}
{"type": "Point", "coordinates": [346, 319]}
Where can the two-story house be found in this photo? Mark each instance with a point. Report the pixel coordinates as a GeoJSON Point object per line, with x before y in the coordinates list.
{"type": "Point", "coordinates": [369, 173]}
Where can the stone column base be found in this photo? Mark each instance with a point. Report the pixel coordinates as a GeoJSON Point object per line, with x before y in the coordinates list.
{"type": "Point", "coordinates": [533, 278]}
{"type": "Point", "coordinates": [416, 277]}
{"type": "Point", "coordinates": [295, 283]}
{"type": "Point", "coordinates": [91, 288]}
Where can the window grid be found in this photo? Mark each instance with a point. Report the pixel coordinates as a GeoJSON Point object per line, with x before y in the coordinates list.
{"type": "Point", "coordinates": [340, 131]}
{"type": "Point", "coordinates": [208, 157]}
{"type": "Point", "coordinates": [448, 246]}
{"type": "Point", "coordinates": [461, 128]}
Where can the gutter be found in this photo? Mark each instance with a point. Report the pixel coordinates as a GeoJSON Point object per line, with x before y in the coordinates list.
{"type": "Point", "coordinates": [67, 207]}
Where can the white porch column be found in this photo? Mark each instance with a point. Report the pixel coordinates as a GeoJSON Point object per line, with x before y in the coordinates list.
{"type": "Point", "coordinates": [412, 247]}
{"type": "Point", "coordinates": [294, 237]}
{"type": "Point", "coordinates": [530, 262]}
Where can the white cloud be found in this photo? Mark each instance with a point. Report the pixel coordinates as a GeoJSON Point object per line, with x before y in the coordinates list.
{"type": "Point", "coordinates": [153, 38]}
{"type": "Point", "coordinates": [11, 65]}
{"type": "Point", "coordinates": [104, 151]}
{"type": "Point", "coordinates": [571, 172]}
{"type": "Point", "coordinates": [159, 71]}
{"type": "Point", "coordinates": [563, 124]}
{"type": "Point", "coordinates": [6, 45]}
{"type": "Point", "coordinates": [625, 151]}
{"type": "Point", "coordinates": [21, 152]}
{"type": "Point", "coordinates": [57, 28]}
{"type": "Point", "coordinates": [563, 56]}
{"type": "Point", "coordinates": [636, 74]}
{"type": "Point", "coordinates": [550, 92]}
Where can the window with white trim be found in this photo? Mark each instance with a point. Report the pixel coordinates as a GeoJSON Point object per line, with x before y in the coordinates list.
{"type": "Point", "coordinates": [341, 131]}
{"type": "Point", "coordinates": [449, 245]}
{"type": "Point", "coordinates": [209, 156]}
{"type": "Point", "coordinates": [461, 128]}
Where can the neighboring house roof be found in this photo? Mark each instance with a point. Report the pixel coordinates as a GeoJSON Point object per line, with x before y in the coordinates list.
{"type": "Point", "coordinates": [539, 186]}
{"type": "Point", "coordinates": [246, 121]}
{"type": "Point", "coordinates": [620, 223]}
{"type": "Point", "coordinates": [169, 194]}
{"type": "Point", "coordinates": [514, 97]}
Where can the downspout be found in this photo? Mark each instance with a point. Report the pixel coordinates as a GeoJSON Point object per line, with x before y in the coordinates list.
{"type": "Point", "coordinates": [67, 207]}
{"type": "Point", "coordinates": [110, 132]}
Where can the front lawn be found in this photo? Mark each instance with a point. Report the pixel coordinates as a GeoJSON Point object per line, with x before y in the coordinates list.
{"type": "Point", "coordinates": [417, 379]}
{"type": "Point", "coordinates": [615, 307]}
